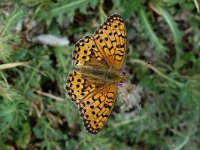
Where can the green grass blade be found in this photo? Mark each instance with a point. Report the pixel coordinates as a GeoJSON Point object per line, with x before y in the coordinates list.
{"type": "Point", "coordinates": [155, 41]}
{"type": "Point", "coordinates": [177, 35]}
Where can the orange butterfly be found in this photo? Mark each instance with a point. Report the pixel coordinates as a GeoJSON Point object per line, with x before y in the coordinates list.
{"type": "Point", "coordinates": [98, 60]}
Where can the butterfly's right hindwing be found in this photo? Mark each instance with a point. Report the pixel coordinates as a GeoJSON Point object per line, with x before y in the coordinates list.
{"type": "Point", "coordinates": [97, 106]}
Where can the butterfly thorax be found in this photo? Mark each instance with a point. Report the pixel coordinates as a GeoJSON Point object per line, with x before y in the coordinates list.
{"type": "Point", "coordinates": [104, 75]}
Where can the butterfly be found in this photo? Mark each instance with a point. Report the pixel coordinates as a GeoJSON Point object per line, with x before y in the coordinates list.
{"type": "Point", "coordinates": [97, 60]}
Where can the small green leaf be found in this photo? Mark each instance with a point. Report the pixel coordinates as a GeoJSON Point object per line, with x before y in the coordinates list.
{"type": "Point", "coordinates": [70, 8]}
{"type": "Point", "coordinates": [23, 138]}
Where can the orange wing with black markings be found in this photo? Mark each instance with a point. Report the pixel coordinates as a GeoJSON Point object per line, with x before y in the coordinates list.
{"type": "Point", "coordinates": [97, 107]}
{"type": "Point", "coordinates": [78, 86]}
{"type": "Point", "coordinates": [87, 54]}
{"type": "Point", "coordinates": [110, 39]}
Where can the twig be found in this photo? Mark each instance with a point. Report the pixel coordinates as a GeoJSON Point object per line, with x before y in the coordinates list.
{"type": "Point", "coordinates": [50, 96]}
{"type": "Point", "coordinates": [136, 119]}
{"type": "Point", "coordinates": [156, 71]}
{"type": "Point", "coordinates": [12, 65]}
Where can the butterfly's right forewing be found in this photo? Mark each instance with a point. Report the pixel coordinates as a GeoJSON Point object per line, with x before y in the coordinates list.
{"type": "Point", "coordinates": [110, 39]}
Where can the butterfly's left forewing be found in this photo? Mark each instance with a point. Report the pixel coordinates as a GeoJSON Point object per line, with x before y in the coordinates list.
{"type": "Point", "coordinates": [87, 54]}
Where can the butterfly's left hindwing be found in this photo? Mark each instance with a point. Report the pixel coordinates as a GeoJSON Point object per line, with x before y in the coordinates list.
{"type": "Point", "coordinates": [78, 86]}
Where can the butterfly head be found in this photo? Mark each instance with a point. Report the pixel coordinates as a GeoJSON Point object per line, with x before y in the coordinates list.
{"type": "Point", "coordinates": [122, 77]}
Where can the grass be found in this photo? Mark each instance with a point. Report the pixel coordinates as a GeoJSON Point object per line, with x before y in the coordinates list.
{"type": "Point", "coordinates": [163, 57]}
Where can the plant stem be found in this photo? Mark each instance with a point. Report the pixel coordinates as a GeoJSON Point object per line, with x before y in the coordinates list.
{"type": "Point", "coordinates": [156, 71]}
